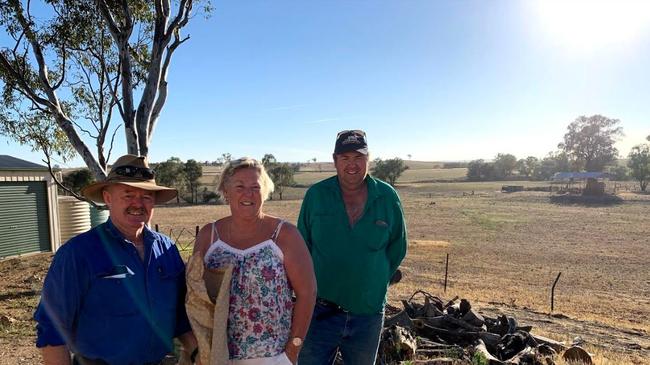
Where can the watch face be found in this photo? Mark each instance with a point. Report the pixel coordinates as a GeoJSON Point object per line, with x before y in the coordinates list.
{"type": "Point", "coordinates": [296, 341]}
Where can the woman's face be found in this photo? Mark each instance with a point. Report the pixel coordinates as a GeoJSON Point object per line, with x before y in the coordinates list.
{"type": "Point", "coordinates": [243, 192]}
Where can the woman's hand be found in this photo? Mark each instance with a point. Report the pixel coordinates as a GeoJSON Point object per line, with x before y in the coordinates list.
{"type": "Point", "coordinates": [292, 352]}
{"type": "Point", "coordinates": [300, 272]}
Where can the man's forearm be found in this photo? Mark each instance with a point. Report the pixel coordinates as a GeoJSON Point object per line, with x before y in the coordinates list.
{"type": "Point", "coordinates": [56, 355]}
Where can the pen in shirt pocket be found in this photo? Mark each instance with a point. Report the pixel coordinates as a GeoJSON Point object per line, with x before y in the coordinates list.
{"type": "Point", "coordinates": [118, 272]}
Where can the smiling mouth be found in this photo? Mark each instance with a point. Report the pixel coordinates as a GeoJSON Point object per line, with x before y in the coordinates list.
{"type": "Point", "coordinates": [246, 203]}
{"type": "Point", "coordinates": [136, 212]}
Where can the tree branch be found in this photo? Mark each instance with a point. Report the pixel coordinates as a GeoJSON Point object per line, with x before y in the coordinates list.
{"type": "Point", "coordinates": [162, 87]}
{"type": "Point", "coordinates": [121, 38]}
{"type": "Point", "coordinates": [58, 182]}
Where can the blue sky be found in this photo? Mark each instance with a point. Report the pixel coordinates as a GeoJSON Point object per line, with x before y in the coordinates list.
{"type": "Point", "coordinates": [437, 80]}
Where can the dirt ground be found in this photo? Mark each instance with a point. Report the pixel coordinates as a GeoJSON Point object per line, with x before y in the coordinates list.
{"type": "Point", "coordinates": [505, 251]}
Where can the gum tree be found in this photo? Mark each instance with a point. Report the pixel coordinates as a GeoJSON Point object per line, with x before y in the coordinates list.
{"type": "Point", "coordinates": [73, 72]}
{"type": "Point", "coordinates": [639, 164]}
{"type": "Point", "coordinates": [589, 142]}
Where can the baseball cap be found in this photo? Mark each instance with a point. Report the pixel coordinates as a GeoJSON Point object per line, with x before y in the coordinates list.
{"type": "Point", "coordinates": [351, 140]}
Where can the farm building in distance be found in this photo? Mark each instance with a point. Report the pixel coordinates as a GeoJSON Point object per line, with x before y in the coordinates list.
{"type": "Point", "coordinates": [29, 217]}
{"type": "Point", "coordinates": [586, 183]}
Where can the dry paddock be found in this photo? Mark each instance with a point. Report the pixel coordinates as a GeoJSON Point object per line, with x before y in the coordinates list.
{"type": "Point", "coordinates": [504, 250]}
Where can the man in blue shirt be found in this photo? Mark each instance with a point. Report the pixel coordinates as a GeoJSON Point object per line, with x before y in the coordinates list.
{"type": "Point", "coordinates": [115, 294]}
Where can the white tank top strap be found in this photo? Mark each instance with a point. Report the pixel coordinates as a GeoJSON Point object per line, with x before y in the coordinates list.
{"type": "Point", "coordinates": [274, 237]}
{"type": "Point", "coordinates": [214, 231]}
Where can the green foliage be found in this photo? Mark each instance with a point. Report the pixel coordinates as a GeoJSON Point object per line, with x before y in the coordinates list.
{"type": "Point", "coordinates": [35, 129]}
{"type": "Point", "coordinates": [388, 170]}
{"type": "Point", "coordinates": [504, 164]}
{"type": "Point", "coordinates": [225, 157]}
{"type": "Point", "coordinates": [639, 163]}
{"type": "Point", "coordinates": [454, 165]}
{"type": "Point", "coordinates": [282, 175]}
{"type": "Point", "coordinates": [479, 359]}
{"type": "Point", "coordinates": [171, 173]}
{"type": "Point", "coordinates": [479, 170]}
{"type": "Point", "coordinates": [526, 167]}
{"type": "Point", "coordinates": [619, 172]}
{"type": "Point", "coordinates": [268, 160]}
{"type": "Point", "coordinates": [554, 162]}
{"type": "Point", "coordinates": [193, 172]}
{"type": "Point", "coordinates": [589, 142]}
{"type": "Point", "coordinates": [208, 196]}
{"type": "Point", "coordinates": [69, 71]}
{"type": "Point", "coordinates": [78, 179]}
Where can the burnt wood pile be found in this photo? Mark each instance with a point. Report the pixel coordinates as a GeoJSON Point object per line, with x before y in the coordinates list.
{"type": "Point", "coordinates": [429, 330]}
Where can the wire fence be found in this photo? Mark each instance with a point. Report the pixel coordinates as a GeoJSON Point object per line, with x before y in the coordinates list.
{"type": "Point", "coordinates": [183, 236]}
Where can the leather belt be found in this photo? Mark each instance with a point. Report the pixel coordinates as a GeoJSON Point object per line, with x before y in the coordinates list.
{"type": "Point", "coordinates": [332, 307]}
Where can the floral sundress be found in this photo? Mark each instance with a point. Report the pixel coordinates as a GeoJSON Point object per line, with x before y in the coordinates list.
{"type": "Point", "coordinates": [259, 321]}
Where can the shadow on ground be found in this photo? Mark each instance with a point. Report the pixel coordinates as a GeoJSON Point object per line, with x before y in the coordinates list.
{"type": "Point", "coordinates": [587, 201]}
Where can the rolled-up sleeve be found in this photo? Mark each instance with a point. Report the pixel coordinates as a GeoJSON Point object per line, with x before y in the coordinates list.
{"type": "Point", "coordinates": [63, 288]}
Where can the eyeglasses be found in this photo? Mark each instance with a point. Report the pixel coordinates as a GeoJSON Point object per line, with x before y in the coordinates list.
{"type": "Point", "coordinates": [355, 131]}
{"type": "Point", "coordinates": [134, 171]}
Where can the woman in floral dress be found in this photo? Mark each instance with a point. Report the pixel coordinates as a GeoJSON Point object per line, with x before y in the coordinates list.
{"type": "Point", "coordinates": [270, 265]}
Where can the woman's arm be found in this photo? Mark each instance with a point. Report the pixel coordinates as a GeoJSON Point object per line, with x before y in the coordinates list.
{"type": "Point", "coordinates": [300, 272]}
{"type": "Point", "coordinates": [202, 242]}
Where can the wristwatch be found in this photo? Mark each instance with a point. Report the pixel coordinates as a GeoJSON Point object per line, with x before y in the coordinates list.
{"type": "Point", "coordinates": [296, 341]}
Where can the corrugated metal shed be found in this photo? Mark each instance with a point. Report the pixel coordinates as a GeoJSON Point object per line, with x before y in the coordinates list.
{"type": "Point", "coordinates": [29, 217]}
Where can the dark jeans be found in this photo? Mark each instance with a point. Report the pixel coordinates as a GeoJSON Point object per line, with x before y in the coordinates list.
{"type": "Point", "coordinates": [333, 329]}
{"type": "Point", "coordinates": [80, 360]}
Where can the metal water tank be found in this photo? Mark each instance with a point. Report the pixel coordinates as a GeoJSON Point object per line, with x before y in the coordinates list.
{"type": "Point", "coordinates": [74, 217]}
{"type": "Point", "coordinates": [97, 216]}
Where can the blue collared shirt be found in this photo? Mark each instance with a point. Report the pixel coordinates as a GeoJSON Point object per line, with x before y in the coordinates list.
{"type": "Point", "coordinates": [102, 301]}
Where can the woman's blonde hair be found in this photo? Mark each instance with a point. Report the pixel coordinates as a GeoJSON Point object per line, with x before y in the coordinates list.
{"type": "Point", "coordinates": [266, 184]}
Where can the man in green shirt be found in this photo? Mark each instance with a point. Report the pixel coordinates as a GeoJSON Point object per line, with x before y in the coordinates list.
{"type": "Point", "coordinates": [354, 228]}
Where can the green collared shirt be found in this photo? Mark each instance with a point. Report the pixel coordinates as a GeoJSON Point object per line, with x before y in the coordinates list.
{"type": "Point", "coordinates": [353, 264]}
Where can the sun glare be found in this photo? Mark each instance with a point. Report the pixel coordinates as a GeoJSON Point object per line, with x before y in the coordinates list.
{"type": "Point", "coordinates": [594, 24]}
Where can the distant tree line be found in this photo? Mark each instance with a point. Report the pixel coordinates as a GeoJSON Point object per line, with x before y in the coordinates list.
{"type": "Point", "coordinates": [454, 165]}
{"type": "Point", "coordinates": [588, 145]}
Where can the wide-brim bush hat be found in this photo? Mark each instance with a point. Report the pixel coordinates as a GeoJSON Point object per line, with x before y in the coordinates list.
{"type": "Point", "coordinates": [133, 171]}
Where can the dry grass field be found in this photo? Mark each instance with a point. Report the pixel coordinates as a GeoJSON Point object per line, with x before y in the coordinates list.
{"type": "Point", "coordinates": [504, 250]}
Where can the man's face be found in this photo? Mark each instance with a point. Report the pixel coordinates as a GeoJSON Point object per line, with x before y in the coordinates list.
{"type": "Point", "coordinates": [351, 168]}
{"type": "Point", "coordinates": [130, 208]}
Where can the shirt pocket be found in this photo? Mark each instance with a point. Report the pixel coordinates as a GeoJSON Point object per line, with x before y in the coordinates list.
{"type": "Point", "coordinates": [114, 296]}
{"type": "Point", "coordinates": [377, 235]}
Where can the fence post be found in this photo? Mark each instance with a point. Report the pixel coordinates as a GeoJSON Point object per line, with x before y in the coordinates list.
{"type": "Point", "coordinates": [157, 228]}
{"type": "Point", "coordinates": [553, 290]}
{"type": "Point", "coordinates": [446, 271]}
{"type": "Point", "coordinates": [196, 233]}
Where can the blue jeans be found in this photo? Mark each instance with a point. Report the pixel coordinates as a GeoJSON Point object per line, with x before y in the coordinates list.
{"type": "Point", "coordinates": [356, 336]}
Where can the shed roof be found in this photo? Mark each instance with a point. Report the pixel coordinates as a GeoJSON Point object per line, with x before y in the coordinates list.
{"type": "Point", "coordinates": [564, 176]}
{"type": "Point", "coordinates": [12, 163]}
